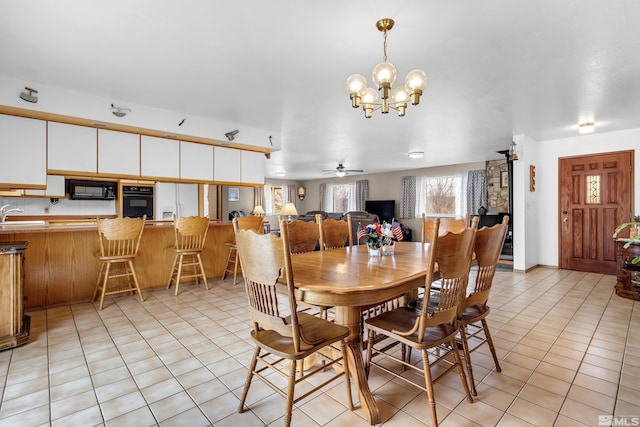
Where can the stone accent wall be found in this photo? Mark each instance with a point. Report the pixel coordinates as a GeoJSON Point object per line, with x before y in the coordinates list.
{"type": "Point", "coordinates": [498, 196]}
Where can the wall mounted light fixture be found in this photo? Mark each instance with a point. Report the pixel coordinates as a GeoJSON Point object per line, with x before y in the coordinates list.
{"type": "Point", "coordinates": [29, 97]}
{"type": "Point", "coordinates": [231, 134]}
{"type": "Point", "coordinates": [119, 111]}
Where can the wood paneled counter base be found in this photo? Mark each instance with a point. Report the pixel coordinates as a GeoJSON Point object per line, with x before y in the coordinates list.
{"type": "Point", "coordinates": [61, 267]}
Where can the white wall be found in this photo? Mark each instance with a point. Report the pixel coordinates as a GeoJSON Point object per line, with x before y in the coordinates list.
{"type": "Point", "coordinates": [526, 224]}
{"type": "Point", "coordinates": [546, 205]}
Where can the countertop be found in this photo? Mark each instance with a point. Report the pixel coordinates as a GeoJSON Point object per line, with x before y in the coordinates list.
{"type": "Point", "coordinates": [12, 247]}
{"type": "Point", "coordinates": [54, 226]}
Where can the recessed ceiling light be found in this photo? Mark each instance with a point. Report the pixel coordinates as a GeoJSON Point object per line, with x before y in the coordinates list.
{"type": "Point", "coordinates": [416, 154]}
{"type": "Point", "coordinates": [586, 128]}
{"type": "Point", "coordinates": [281, 173]}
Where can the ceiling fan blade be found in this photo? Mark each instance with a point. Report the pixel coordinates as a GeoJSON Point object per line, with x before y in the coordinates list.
{"type": "Point", "coordinates": [354, 170]}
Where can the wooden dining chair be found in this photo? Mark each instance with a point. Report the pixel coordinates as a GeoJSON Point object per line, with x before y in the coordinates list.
{"type": "Point", "coordinates": [282, 333]}
{"type": "Point", "coordinates": [304, 236]}
{"type": "Point", "coordinates": [432, 332]}
{"type": "Point", "coordinates": [450, 224]}
{"type": "Point", "coordinates": [334, 233]}
{"type": "Point", "coordinates": [119, 244]}
{"type": "Point", "coordinates": [245, 223]}
{"type": "Point", "coordinates": [474, 330]}
{"type": "Point", "coordinates": [190, 234]}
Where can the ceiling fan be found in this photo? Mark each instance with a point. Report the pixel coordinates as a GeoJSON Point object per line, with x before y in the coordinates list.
{"type": "Point", "coordinates": [341, 171]}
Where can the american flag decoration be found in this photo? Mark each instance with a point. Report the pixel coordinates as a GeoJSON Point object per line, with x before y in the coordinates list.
{"type": "Point", "coordinates": [396, 230]}
{"type": "Point", "coordinates": [361, 233]}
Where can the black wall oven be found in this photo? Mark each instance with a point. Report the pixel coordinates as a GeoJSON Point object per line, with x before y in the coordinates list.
{"type": "Point", "coordinates": [137, 201]}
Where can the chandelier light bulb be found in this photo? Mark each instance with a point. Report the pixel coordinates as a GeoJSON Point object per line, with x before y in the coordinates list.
{"type": "Point", "coordinates": [384, 72]}
{"type": "Point", "coordinates": [355, 85]}
{"type": "Point", "coordinates": [415, 82]}
{"type": "Point", "coordinates": [369, 96]}
{"type": "Point", "coordinates": [399, 98]}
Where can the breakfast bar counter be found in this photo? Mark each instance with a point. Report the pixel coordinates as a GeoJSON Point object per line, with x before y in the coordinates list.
{"type": "Point", "coordinates": [61, 267]}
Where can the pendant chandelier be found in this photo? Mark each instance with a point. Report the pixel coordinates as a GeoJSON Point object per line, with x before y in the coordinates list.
{"type": "Point", "coordinates": [384, 75]}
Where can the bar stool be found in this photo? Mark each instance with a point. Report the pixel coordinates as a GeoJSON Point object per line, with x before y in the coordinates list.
{"type": "Point", "coordinates": [190, 235]}
{"type": "Point", "coordinates": [244, 223]}
{"type": "Point", "coordinates": [119, 244]}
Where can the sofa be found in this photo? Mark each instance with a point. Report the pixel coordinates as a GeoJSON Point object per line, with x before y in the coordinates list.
{"type": "Point", "coordinates": [358, 218]}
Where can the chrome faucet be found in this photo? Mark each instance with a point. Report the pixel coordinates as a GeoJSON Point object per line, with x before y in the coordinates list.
{"type": "Point", "coordinates": [4, 211]}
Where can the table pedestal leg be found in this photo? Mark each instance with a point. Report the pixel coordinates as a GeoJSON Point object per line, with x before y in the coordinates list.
{"type": "Point", "coordinates": [351, 318]}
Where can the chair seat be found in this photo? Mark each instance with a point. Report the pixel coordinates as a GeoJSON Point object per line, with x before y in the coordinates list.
{"type": "Point", "coordinates": [312, 329]}
{"type": "Point", "coordinates": [404, 318]}
{"type": "Point", "coordinates": [474, 313]}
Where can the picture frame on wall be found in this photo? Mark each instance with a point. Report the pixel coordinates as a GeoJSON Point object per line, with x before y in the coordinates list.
{"type": "Point", "coordinates": [504, 179]}
{"type": "Point", "coordinates": [234, 194]}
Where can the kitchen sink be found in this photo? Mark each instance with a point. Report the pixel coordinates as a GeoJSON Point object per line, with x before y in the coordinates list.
{"type": "Point", "coordinates": [21, 223]}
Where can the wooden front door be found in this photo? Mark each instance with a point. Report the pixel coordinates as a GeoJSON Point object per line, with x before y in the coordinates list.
{"type": "Point", "coordinates": [595, 197]}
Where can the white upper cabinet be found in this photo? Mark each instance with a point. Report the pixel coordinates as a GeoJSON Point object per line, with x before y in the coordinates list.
{"type": "Point", "coordinates": [196, 161]}
{"type": "Point", "coordinates": [55, 188]}
{"type": "Point", "coordinates": [23, 143]}
{"type": "Point", "coordinates": [252, 167]}
{"type": "Point", "coordinates": [160, 157]}
{"type": "Point", "coordinates": [226, 164]}
{"type": "Point", "coordinates": [118, 153]}
{"type": "Point", "coordinates": [72, 148]}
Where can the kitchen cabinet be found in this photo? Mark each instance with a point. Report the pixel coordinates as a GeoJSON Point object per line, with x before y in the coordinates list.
{"type": "Point", "coordinates": [55, 188]}
{"type": "Point", "coordinates": [14, 325]}
{"type": "Point", "coordinates": [160, 157]}
{"type": "Point", "coordinates": [118, 154]}
{"type": "Point", "coordinates": [72, 149]}
{"type": "Point", "coordinates": [196, 161]}
{"type": "Point", "coordinates": [23, 162]}
{"type": "Point", "coordinates": [252, 167]}
{"type": "Point", "coordinates": [226, 165]}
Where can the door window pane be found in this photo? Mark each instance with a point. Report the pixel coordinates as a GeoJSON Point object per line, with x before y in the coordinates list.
{"type": "Point", "coordinates": [593, 189]}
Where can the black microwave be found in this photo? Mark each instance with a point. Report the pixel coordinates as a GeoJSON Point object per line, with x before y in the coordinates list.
{"type": "Point", "coordinates": [81, 189]}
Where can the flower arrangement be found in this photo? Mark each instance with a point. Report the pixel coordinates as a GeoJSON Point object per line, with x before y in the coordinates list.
{"type": "Point", "coordinates": [379, 235]}
{"type": "Point", "coordinates": [632, 236]}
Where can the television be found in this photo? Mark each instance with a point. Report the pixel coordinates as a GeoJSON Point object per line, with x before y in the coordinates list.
{"type": "Point", "coordinates": [385, 209]}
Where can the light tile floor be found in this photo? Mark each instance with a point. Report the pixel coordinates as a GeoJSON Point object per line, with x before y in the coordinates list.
{"type": "Point", "coordinates": [569, 350]}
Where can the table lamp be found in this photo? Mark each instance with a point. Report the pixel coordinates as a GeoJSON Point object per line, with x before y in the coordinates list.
{"type": "Point", "coordinates": [258, 211]}
{"type": "Point", "coordinates": [289, 209]}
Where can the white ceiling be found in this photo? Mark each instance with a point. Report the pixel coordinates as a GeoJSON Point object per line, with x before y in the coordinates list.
{"type": "Point", "coordinates": [496, 68]}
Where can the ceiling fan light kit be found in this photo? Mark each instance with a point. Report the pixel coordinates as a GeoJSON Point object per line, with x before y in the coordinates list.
{"type": "Point", "coordinates": [384, 75]}
{"type": "Point", "coordinates": [341, 171]}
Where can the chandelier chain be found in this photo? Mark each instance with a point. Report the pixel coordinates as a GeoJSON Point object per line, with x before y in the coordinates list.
{"type": "Point", "coordinates": [385, 46]}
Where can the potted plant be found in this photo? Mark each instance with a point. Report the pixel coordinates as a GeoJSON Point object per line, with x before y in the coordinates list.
{"type": "Point", "coordinates": [633, 234]}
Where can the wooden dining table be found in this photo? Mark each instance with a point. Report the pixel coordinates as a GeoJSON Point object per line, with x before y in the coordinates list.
{"type": "Point", "coordinates": [349, 280]}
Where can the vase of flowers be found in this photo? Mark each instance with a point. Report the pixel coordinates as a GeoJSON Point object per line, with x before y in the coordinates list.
{"type": "Point", "coordinates": [633, 234]}
{"type": "Point", "coordinates": [381, 238]}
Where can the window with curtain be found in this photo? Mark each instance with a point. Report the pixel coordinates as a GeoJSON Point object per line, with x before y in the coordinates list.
{"type": "Point", "coordinates": [340, 197]}
{"type": "Point", "coordinates": [440, 196]}
{"type": "Point", "coordinates": [273, 199]}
